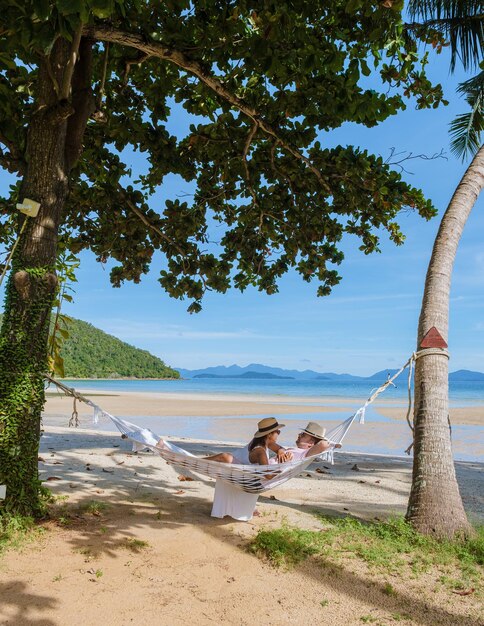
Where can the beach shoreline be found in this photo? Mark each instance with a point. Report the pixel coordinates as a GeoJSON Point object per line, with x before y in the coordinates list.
{"type": "Point", "coordinates": [224, 404]}
{"type": "Point", "coordinates": [233, 418]}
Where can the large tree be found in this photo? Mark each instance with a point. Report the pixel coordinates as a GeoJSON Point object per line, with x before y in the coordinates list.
{"type": "Point", "coordinates": [435, 505]}
{"type": "Point", "coordinates": [85, 81]}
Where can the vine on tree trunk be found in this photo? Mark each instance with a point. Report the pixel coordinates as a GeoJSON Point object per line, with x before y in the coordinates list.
{"type": "Point", "coordinates": [30, 293]}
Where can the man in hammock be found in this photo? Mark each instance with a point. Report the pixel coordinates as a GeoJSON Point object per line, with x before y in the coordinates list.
{"type": "Point", "coordinates": [311, 441]}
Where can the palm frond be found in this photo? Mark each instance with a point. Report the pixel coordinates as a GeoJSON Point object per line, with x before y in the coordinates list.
{"type": "Point", "coordinates": [472, 87]}
{"type": "Point", "coordinates": [465, 130]}
{"type": "Point", "coordinates": [460, 21]}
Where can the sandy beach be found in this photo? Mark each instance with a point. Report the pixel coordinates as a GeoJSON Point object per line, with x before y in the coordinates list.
{"type": "Point", "coordinates": [148, 552]}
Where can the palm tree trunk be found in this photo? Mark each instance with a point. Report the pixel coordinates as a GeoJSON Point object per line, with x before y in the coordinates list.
{"type": "Point", "coordinates": [435, 505]}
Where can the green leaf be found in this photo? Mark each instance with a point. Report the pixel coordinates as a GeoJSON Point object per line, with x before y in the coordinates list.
{"type": "Point", "coordinates": [102, 8]}
{"type": "Point", "coordinates": [365, 70]}
{"type": "Point", "coordinates": [69, 7]}
{"type": "Point", "coordinates": [353, 5]}
{"type": "Point", "coordinates": [42, 9]}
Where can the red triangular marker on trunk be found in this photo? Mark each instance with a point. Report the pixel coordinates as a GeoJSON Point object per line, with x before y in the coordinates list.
{"type": "Point", "coordinates": [433, 339]}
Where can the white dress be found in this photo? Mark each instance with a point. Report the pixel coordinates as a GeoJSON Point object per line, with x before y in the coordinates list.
{"type": "Point", "coordinates": [231, 501]}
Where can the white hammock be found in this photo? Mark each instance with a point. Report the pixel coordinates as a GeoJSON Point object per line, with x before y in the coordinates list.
{"type": "Point", "coordinates": [248, 478]}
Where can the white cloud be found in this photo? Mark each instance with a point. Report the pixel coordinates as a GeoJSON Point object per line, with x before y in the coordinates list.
{"type": "Point", "coordinates": [369, 298]}
{"type": "Point", "coordinates": [145, 330]}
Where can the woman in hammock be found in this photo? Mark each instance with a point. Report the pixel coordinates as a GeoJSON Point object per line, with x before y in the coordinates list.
{"type": "Point", "coordinates": [256, 452]}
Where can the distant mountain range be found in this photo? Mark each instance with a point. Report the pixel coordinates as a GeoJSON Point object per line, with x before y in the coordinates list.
{"type": "Point", "coordinates": [256, 375]}
{"type": "Point", "coordinates": [258, 371]}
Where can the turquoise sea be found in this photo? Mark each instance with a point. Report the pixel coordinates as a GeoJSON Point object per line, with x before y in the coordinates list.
{"type": "Point", "coordinates": [462, 393]}
{"type": "Point", "coordinates": [467, 439]}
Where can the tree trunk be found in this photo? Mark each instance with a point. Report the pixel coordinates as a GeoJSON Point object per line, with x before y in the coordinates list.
{"type": "Point", "coordinates": [435, 505]}
{"type": "Point", "coordinates": [31, 288]}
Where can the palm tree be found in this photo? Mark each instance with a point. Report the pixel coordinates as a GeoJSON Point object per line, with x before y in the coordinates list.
{"type": "Point", "coordinates": [435, 505]}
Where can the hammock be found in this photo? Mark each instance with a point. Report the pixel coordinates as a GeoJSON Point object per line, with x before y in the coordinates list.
{"type": "Point", "coordinates": [249, 478]}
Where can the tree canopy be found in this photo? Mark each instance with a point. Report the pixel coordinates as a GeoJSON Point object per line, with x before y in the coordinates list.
{"type": "Point", "coordinates": [261, 82]}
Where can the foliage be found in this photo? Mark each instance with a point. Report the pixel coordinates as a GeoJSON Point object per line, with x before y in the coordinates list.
{"type": "Point", "coordinates": [285, 546]}
{"type": "Point", "coordinates": [66, 275]}
{"type": "Point", "coordinates": [93, 507]}
{"type": "Point", "coordinates": [90, 353]}
{"type": "Point", "coordinates": [136, 545]}
{"type": "Point", "coordinates": [466, 129]}
{"type": "Point", "coordinates": [391, 546]}
{"type": "Point", "coordinates": [15, 530]}
{"type": "Point", "coordinates": [459, 22]}
{"type": "Point", "coordinates": [267, 195]}
{"type": "Point", "coordinates": [460, 25]}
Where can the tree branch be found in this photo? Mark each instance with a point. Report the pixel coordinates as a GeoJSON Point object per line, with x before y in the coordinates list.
{"type": "Point", "coordinates": [281, 174]}
{"type": "Point", "coordinates": [410, 157]}
{"type": "Point", "coordinates": [250, 136]}
{"type": "Point", "coordinates": [102, 82]}
{"type": "Point", "coordinates": [147, 222]}
{"type": "Point", "coordinates": [129, 62]}
{"type": "Point", "coordinates": [82, 102]}
{"type": "Point", "coordinates": [12, 147]}
{"type": "Point", "coordinates": [160, 51]}
{"type": "Point", "coordinates": [65, 90]}
{"type": "Point", "coordinates": [12, 164]}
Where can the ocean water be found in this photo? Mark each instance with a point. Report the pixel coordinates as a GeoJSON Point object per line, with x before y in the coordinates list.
{"type": "Point", "coordinates": [461, 393]}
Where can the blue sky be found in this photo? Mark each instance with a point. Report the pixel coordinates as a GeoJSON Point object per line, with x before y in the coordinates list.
{"type": "Point", "coordinates": [369, 322]}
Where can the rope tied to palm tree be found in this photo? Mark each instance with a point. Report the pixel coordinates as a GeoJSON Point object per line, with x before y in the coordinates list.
{"type": "Point", "coordinates": [411, 364]}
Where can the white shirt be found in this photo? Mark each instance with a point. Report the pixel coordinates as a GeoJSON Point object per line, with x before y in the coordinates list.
{"type": "Point", "coordinates": [297, 455]}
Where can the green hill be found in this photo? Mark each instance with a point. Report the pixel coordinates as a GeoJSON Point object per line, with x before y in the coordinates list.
{"type": "Point", "coordinates": [92, 353]}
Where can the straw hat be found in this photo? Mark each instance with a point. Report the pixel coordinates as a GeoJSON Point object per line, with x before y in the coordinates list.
{"type": "Point", "coordinates": [315, 430]}
{"type": "Point", "coordinates": [266, 426]}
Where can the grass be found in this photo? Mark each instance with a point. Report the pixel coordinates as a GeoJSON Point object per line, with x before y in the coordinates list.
{"type": "Point", "coordinates": [384, 546]}
{"type": "Point", "coordinates": [94, 507]}
{"type": "Point", "coordinates": [86, 552]}
{"type": "Point", "coordinates": [136, 545]}
{"type": "Point", "coordinates": [16, 530]}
